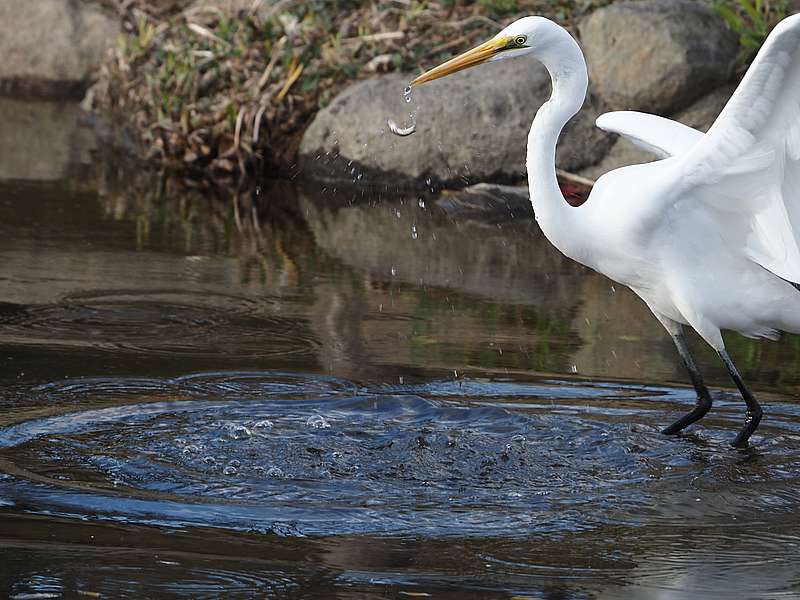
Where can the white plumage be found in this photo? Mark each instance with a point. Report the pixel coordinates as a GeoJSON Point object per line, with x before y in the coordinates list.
{"type": "Point", "coordinates": [709, 236]}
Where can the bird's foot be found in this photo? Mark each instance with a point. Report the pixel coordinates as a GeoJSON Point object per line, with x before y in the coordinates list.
{"type": "Point", "coordinates": [751, 422]}
{"type": "Point", "coordinates": [698, 412]}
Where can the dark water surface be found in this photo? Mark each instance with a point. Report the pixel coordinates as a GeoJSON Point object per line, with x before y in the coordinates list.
{"type": "Point", "coordinates": [342, 396]}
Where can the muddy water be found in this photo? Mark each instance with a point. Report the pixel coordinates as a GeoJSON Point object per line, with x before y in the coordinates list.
{"type": "Point", "coordinates": [353, 396]}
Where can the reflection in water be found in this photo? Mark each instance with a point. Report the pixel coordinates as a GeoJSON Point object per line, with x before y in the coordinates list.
{"type": "Point", "coordinates": [299, 392]}
{"type": "Point", "coordinates": [44, 141]}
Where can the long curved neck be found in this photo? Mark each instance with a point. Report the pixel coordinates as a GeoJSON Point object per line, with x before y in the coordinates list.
{"type": "Point", "coordinates": [567, 69]}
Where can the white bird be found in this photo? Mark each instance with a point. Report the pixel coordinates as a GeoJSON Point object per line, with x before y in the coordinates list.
{"type": "Point", "coordinates": [708, 236]}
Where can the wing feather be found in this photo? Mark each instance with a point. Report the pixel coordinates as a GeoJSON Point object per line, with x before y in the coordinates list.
{"type": "Point", "coordinates": [749, 161]}
{"type": "Point", "coordinates": [663, 137]}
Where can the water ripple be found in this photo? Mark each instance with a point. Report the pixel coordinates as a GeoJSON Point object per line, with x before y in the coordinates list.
{"type": "Point", "coordinates": [306, 454]}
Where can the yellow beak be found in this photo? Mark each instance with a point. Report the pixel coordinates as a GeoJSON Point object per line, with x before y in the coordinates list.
{"type": "Point", "coordinates": [470, 58]}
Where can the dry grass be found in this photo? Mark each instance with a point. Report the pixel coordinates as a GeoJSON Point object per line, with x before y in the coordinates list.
{"type": "Point", "coordinates": [226, 87]}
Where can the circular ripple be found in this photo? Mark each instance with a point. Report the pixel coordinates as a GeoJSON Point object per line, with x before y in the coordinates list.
{"type": "Point", "coordinates": [299, 454]}
{"type": "Point", "coordinates": [160, 323]}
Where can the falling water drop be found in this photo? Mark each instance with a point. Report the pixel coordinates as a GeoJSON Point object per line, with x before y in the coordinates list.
{"type": "Point", "coordinates": [404, 130]}
{"type": "Point", "coordinates": [414, 234]}
{"type": "Point", "coordinates": [421, 203]}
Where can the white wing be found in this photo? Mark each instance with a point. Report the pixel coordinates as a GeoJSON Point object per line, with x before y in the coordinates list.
{"type": "Point", "coordinates": [663, 137]}
{"type": "Point", "coordinates": [747, 167]}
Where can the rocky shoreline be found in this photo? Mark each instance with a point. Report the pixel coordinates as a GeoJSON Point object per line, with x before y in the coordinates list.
{"type": "Point", "coordinates": [672, 57]}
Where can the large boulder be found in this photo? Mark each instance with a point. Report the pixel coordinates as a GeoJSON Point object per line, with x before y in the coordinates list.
{"type": "Point", "coordinates": [51, 48]}
{"type": "Point", "coordinates": [700, 115]}
{"type": "Point", "coordinates": [472, 126]}
{"type": "Point", "coordinates": [656, 55]}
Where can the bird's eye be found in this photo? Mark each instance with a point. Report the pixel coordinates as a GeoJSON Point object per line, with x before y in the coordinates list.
{"type": "Point", "coordinates": [520, 40]}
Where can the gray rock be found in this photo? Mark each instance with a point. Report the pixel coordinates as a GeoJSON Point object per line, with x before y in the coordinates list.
{"type": "Point", "coordinates": [700, 115]}
{"type": "Point", "coordinates": [50, 48]}
{"type": "Point", "coordinates": [472, 126]}
{"type": "Point", "coordinates": [656, 55]}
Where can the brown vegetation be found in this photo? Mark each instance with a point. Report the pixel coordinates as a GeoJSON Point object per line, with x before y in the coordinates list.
{"type": "Point", "coordinates": [227, 87]}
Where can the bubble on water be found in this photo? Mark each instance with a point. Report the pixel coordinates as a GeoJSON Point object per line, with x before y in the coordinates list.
{"type": "Point", "coordinates": [414, 234]}
{"type": "Point", "coordinates": [234, 463]}
{"type": "Point", "coordinates": [275, 473]}
{"type": "Point", "coordinates": [191, 449]}
{"type": "Point", "coordinates": [261, 427]}
{"type": "Point", "coordinates": [209, 460]}
{"type": "Point", "coordinates": [236, 431]}
{"type": "Point", "coordinates": [230, 470]}
{"type": "Point", "coordinates": [317, 422]}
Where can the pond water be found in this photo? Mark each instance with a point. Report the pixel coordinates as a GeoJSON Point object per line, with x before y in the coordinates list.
{"type": "Point", "coordinates": [304, 392]}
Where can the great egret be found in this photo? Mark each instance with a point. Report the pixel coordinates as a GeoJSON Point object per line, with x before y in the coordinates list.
{"type": "Point", "coordinates": [708, 236]}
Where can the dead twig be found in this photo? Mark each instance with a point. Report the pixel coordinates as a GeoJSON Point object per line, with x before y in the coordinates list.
{"type": "Point", "coordinates": [573, 178]}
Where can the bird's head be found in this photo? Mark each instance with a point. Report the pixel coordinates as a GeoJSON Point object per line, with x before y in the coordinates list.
{"type": "Point", "coordinates": [528, 35]}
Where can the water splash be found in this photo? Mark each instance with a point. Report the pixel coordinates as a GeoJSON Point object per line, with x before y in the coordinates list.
{"type": "Point", "coordinates": [411, 127]}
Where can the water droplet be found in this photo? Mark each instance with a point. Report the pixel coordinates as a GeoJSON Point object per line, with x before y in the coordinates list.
{"type": "Point", "coordinates": [394, 271]}
{"type": "Point", "coordinates": [407, 94]}
{"type": "Point", "coordinates": [397, 213]}
{"type": "Point", "coordinates": [317, 422]}
{"type": "Point", "coordinates": [421, 203]}
{"type": "Point", "coordinates": [414, 234]}
{"type": "Point", "coordinates": [573, 369]}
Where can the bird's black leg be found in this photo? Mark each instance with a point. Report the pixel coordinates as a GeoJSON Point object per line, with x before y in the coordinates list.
{"type": "Point", "coordinates": [754, 412]}
{"type": "Point", "coordinates": [703, 396]}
